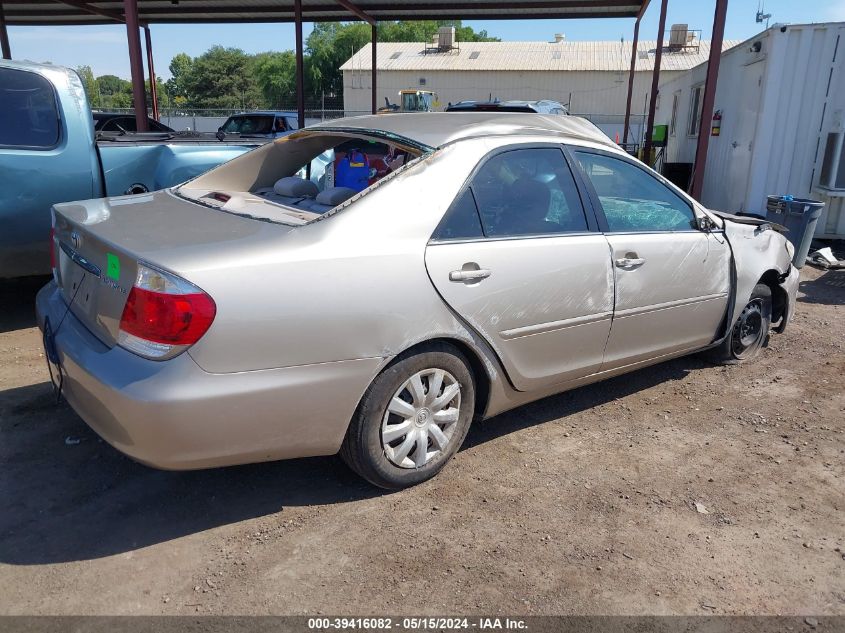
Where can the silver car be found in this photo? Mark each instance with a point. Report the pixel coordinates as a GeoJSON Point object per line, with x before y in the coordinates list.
{"type": "Point", "coordinates": [447, 268]}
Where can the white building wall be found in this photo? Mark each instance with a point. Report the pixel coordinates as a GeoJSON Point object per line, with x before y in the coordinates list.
{"type": "Point", "coordinates": [778, 105]}
{"type": "Point", "coordinates": [592, 93]}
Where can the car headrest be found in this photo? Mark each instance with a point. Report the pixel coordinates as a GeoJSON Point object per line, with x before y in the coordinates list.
{"type": "Point", "coordinates": [294, 187]}
{"type": "Point", "coordinates": [333, 196]}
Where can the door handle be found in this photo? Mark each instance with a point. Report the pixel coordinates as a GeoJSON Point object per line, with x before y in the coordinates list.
{"type": "Point", "coordinates": [629, 262]}
{"type": "Point", "coordinates": [469, 275]}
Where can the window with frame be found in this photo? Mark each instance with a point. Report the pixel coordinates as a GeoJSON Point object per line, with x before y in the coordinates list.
{"type": "Point", "coordinates": [695, 110]}
{"type": "Point", "coordinates": [461, 221]}
{"type": "Point", "coordinates": [528, 191]}
{"type": "Point", "coordinates": [28, 111]}
{"type": "Point", "coordinates": [673, 121]}
{"type": "Point", "coordinates": [632, 199]}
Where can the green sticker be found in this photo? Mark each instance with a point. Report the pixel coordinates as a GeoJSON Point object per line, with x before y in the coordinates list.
{"type": "Point", "coordinates": [113, 267]}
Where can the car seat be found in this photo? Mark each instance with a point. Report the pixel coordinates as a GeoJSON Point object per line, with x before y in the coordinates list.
{"type": "Point", "coordinates": [330, 198]}
{"type": "Point", "coordinates": [527, 208]}
{"type": "Point", "coordinates": [290, 191]}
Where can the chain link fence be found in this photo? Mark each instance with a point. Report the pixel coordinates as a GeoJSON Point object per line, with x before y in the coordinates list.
{"type": "Point", "coordinates": [210, 119]}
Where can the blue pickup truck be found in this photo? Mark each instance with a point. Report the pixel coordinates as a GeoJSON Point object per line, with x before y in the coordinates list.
{"type": "Point", "coordinates": [49, 153]}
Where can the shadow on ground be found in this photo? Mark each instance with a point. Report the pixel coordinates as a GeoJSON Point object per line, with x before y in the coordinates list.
{"type": "Point", "coordinates": [828, 289]}
{"type": "Point", "coordinates": [17, 302]}
{"type": "Point", "coordinates": [70, 496]}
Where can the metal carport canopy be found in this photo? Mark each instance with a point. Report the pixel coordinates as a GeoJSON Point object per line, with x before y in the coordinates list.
{"type": "Point", "coordinates": [142, 13]}
{"type": "Point", "coordinates": [55, 12]}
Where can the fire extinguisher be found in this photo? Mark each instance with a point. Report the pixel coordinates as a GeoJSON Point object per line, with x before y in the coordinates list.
{"type": "Point", "coordinates": [716, 127]}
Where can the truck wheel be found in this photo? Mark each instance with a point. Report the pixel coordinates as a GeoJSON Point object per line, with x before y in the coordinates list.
{"type": "Point", "coordinates": [412, 419]}
{"type": "Point", "coordinates": [750, 333]}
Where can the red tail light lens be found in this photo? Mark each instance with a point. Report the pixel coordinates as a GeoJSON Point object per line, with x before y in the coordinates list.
{"type": "Point", "coordinates": [163, 312]}
{"type": "Point", "coordinates": [167, 318]}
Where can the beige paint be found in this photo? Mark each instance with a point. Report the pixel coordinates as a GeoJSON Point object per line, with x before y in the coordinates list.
{"type": "Point", "coordinates": [593, 92]}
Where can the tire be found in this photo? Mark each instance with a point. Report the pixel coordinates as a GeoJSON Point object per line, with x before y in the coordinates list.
{"type": "Point", "coordinates": [750, 333]}
{"type": "Point", "coordinates": [397, 415]}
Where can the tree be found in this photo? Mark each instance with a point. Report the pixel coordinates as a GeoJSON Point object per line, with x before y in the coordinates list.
{"type": "Point", "coordinates": [121, 100]}
{"type": "Point", "coordinates": [161, 94]}
{"type": "Point", "coordinates": [328, 46]}
{"type": "Point", "coordinates": [180, 68]}
{"type": "Point", "coordinates": [423, 30]}
{"type": "Point", "coordinates": [275, 74]}
{"type": "Point", "coordinates": [90, 84]}
{"type": "Point", "coordinates": [111, 85]}
{"type": "Point", "coordinates": [222, 78]}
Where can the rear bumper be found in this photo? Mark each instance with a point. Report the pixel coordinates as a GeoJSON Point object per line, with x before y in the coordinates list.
{"type": "Point", "coordinates": [173, 415]}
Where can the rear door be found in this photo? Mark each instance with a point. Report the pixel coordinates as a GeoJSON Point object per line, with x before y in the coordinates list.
{"type": "Point", "coordinates": [672, 279]}
{"type": "Point", "coordinates": [517, 257]}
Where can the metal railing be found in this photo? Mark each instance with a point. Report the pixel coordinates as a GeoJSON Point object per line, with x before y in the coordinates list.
{"type": "Point", "coordinates": [210, 119]}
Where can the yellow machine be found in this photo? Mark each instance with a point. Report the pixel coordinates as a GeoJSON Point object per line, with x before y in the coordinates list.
{"type": "Point", "coordinates": [412, 101]}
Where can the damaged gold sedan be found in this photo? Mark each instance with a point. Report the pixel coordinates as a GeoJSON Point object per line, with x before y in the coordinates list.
{"type": "Point", "coordinates": [372, 285]}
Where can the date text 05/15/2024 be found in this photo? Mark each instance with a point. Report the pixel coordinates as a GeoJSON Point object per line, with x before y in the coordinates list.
{"type": "Point", "coordinates": [416, 624]}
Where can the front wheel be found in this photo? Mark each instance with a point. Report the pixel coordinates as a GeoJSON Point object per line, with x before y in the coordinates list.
{"type": "Point", "coordinates": [412, 419]}
{"type": "Point", "coordinates": [750, 333]}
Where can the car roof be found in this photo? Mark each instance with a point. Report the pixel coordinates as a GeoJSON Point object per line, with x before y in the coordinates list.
{"type": "Point", "coordinates": [436, 129]}
{"type": "Point", "coordinates": [266, 113]}
{"type": "Point", "coordinates": [536, 105]}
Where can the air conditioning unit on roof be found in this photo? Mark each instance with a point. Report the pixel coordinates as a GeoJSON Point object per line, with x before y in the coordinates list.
{"type": "Point", "coordinates": [678, 35]}
{"type": "Point", "coordinates": [446, 37]}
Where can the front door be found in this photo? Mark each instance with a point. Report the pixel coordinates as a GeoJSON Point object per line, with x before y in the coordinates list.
{"type": "Point", "coordinates": [516, 259]}
{"type": "Point", "coordinates": [672, 280]}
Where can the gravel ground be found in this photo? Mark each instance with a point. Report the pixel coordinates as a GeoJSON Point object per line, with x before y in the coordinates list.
{"type": "Point", "coordinates": [679, 489]}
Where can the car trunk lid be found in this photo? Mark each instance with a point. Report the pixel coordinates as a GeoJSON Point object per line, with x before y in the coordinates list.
{"type": "Point", "coordinates": [99, 244]}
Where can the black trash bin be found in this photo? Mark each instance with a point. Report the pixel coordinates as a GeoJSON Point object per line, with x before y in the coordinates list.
{"type": "Point", "coordinates": [799, 216]}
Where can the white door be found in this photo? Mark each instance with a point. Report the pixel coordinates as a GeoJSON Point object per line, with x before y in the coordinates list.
{"type": "Point", "coordinates": [742, 139]}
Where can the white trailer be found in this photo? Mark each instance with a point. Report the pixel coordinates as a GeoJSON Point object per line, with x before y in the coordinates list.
{"type": "Point", "coordinates": [781, 99]}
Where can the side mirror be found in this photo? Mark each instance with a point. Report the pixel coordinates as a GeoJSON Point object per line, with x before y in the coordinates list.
{"type": "Point", "coordinates": [705, 224]}
{"type": "Point", "coordinates": [221, 135]}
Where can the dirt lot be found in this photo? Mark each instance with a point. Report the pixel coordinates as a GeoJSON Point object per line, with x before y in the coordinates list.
{"type": "Point", "coordinates": [581, 503]}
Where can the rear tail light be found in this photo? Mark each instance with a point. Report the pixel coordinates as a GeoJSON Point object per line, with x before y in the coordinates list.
{"type": "Point", "coordinates": [163, 313]}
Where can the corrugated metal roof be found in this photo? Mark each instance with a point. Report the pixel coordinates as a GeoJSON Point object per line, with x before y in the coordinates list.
{"type": "Point", "coordinates": [565, 55]}
{"type": "Point", "coordinates": [193, 11]}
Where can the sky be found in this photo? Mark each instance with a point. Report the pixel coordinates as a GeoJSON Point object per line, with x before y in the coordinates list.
{"type": "Point", "coordinates": [104, 47]}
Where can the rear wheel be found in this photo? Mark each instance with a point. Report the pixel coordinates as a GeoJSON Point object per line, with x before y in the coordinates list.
{"type": "Point", "coordinates": [412, 419]}
{"type": "Point", "coordinates": [750, 333]}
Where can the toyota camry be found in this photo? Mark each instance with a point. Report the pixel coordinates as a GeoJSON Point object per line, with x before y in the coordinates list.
{"type": "Point", "coordinates": [373, 285]}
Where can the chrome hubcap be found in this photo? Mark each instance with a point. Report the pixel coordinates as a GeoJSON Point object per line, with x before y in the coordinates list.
{"type": "Point", "coordinates": [421, 418]}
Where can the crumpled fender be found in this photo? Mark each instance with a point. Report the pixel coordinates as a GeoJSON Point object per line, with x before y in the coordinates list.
{"type": "Point", "coordinates": [757, 249]}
